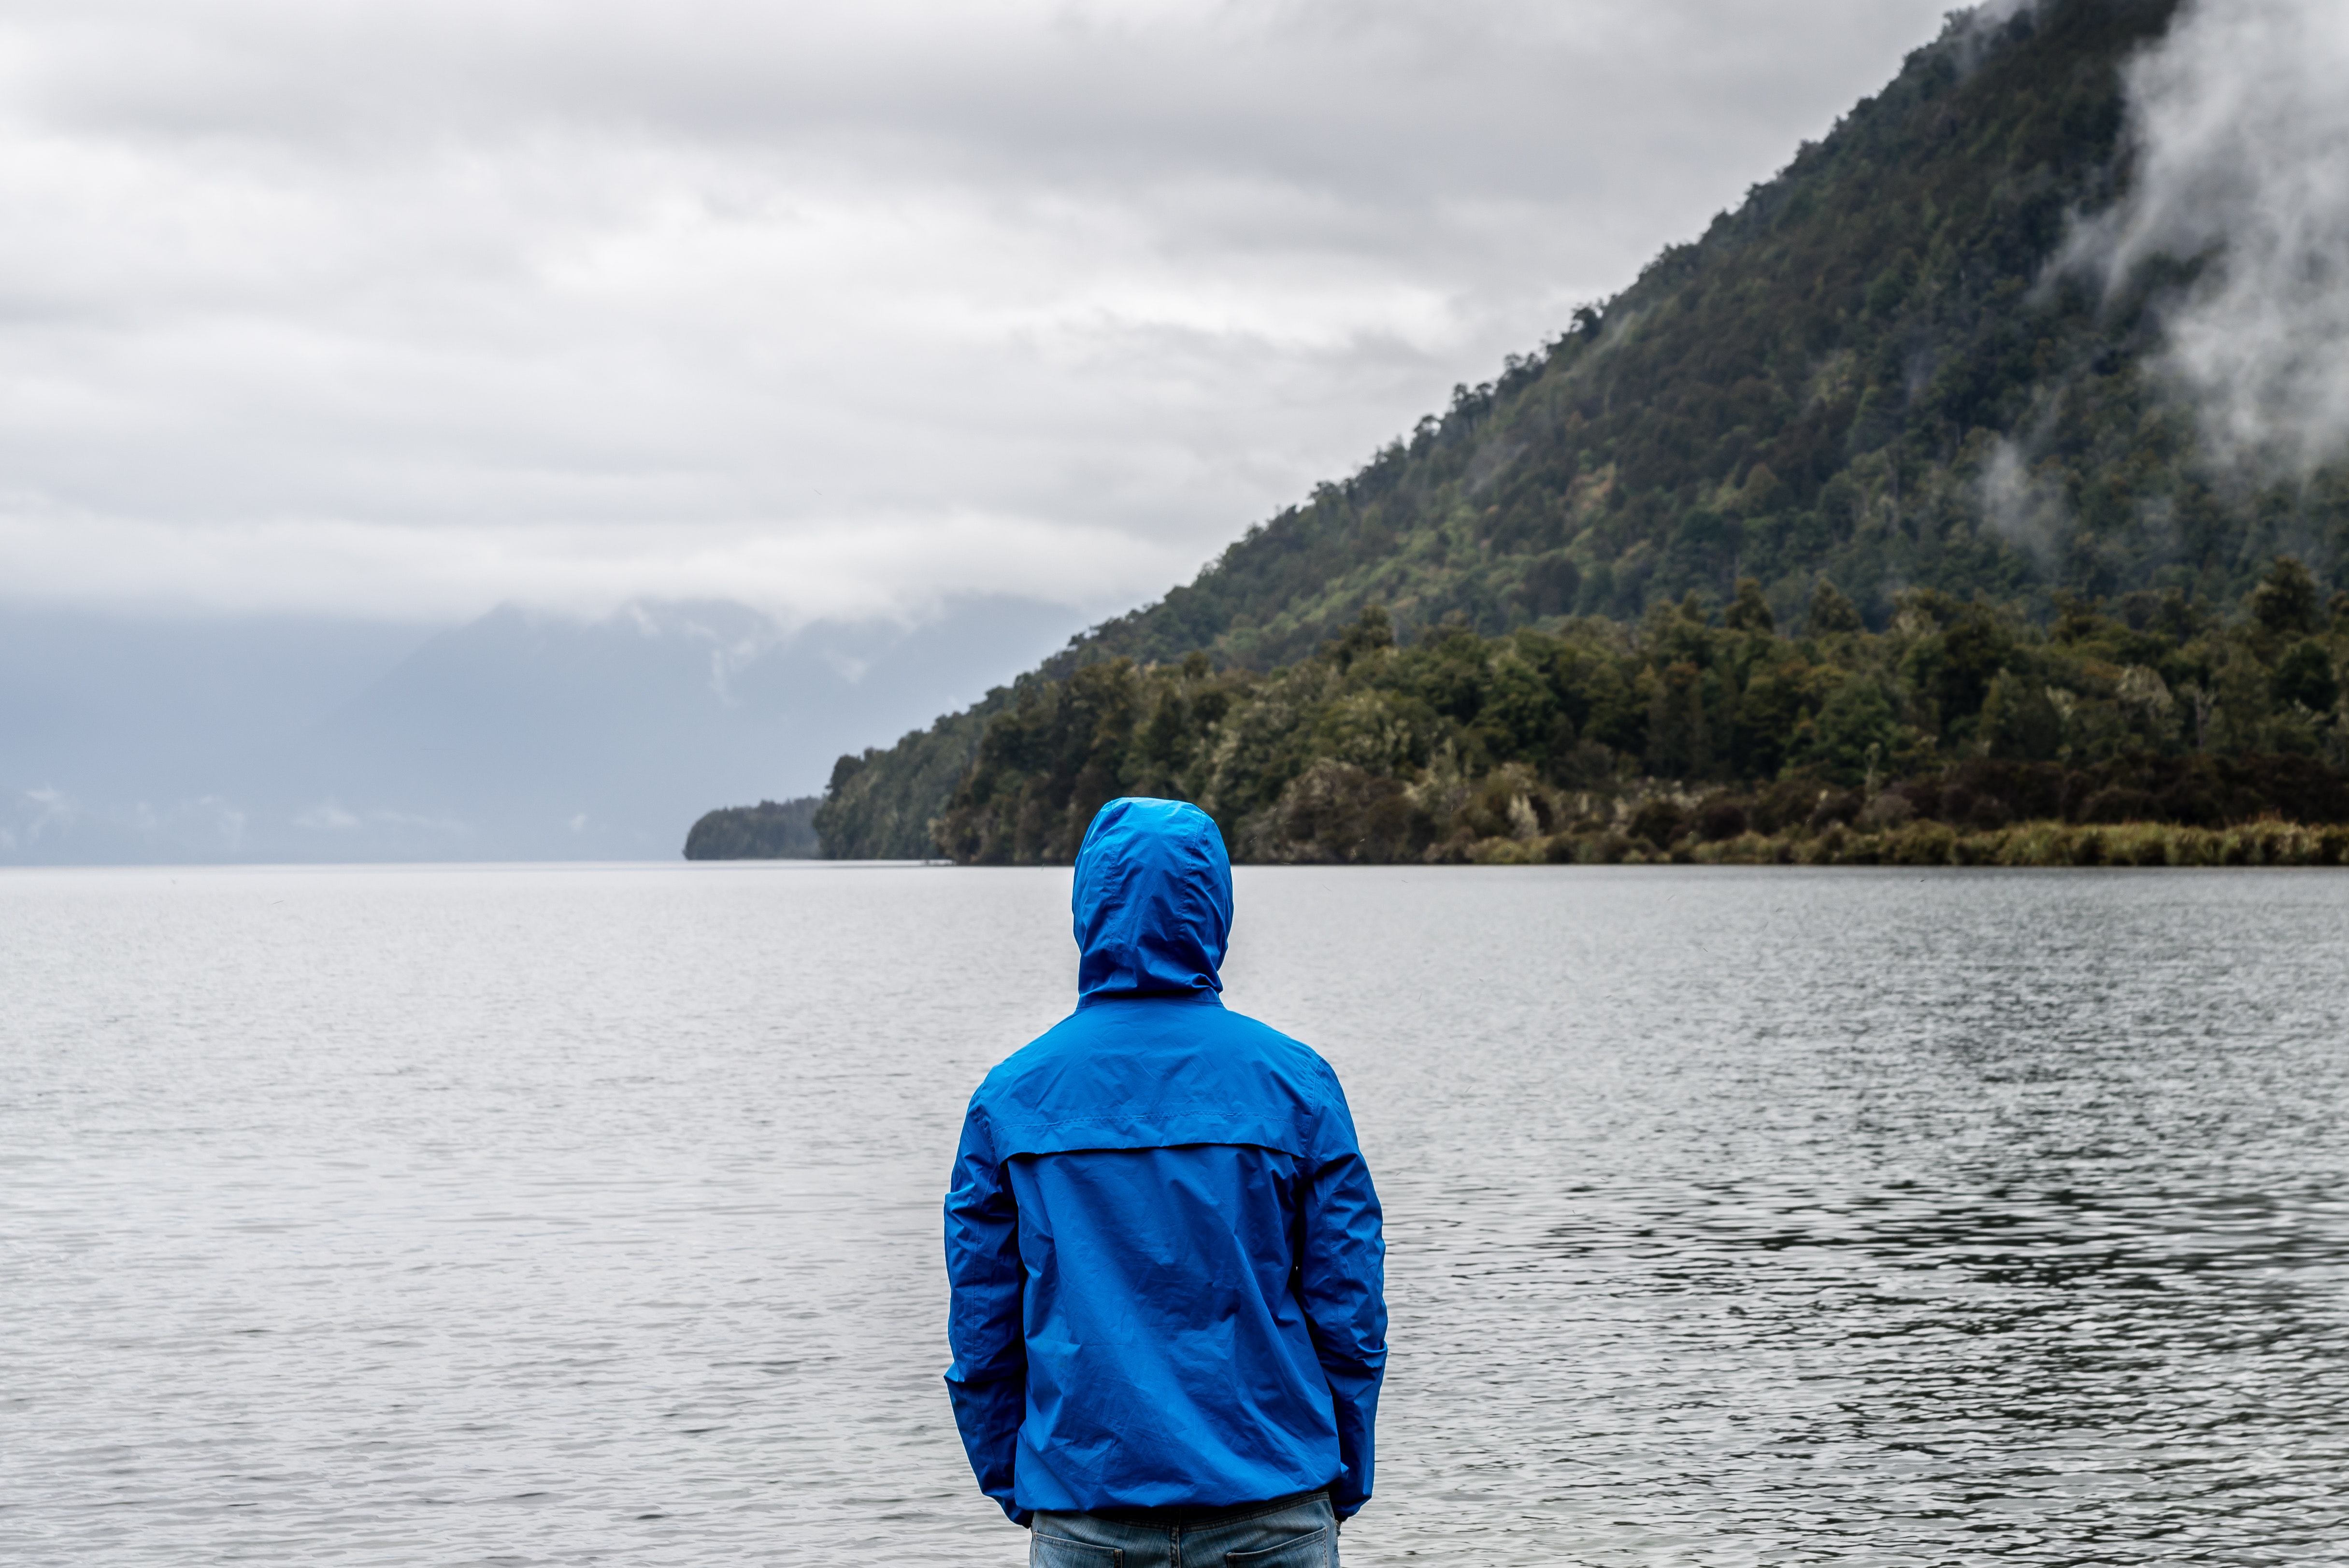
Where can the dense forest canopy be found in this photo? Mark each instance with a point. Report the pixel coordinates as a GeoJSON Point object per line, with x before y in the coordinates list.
{"type": "Point", "coordinates": [1871, 404]}
{"type": "Point", "coordinates": [770, 831]}
{"type": "Point", "coordinates": [1594, 738]}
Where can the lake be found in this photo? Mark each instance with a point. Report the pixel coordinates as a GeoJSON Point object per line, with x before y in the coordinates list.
{"type": "Point", "coordinates": [571, 1214]}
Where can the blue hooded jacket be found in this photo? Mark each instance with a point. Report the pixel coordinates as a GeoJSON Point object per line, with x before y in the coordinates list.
{"type": "Point", "coordinates": [1165, 1247]}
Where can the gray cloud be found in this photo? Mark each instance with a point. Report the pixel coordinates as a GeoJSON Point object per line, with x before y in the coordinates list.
{"type": "Point", "coordinates": [2241, 127]}
{"type": "Point", "coordinates": [401, 310]}
{"type": "Point", "coordinates": [2023, 507]}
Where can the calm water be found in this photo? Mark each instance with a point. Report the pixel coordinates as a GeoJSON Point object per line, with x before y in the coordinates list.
{"type": "Point", "coordinates": [590, 1214]}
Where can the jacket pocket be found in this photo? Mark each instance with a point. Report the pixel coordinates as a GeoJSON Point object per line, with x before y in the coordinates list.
{"type": "Point", "coordinates": [1057, 1551]}
{"type": "Point", "coordinates": [1319, 1550]}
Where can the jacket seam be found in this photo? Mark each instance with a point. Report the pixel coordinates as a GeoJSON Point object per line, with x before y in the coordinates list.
{"type": "Point", "coordinates": [1165, 1109]}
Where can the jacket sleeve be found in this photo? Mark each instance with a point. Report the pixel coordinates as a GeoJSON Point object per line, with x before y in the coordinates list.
{"type": "Point", "coordinates": [988, 1379]}
{"type": "Point", "coordinates": [1341, 1280]}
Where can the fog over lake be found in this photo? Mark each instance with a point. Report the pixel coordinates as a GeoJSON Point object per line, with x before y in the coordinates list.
{"type": "Point", "coordinates": [569, 1215]}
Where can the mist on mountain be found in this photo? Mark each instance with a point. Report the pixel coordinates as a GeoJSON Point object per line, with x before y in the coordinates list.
{"type": "Point", "coordinates": [2240, 132]}
{"type": "Point", "coordinates": [1898, 365]}
{"type": "Point", "coordinates": [2047, 328]}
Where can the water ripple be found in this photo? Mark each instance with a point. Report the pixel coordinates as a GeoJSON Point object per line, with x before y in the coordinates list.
{"type": "Point", "coordinates": [570, 1215]}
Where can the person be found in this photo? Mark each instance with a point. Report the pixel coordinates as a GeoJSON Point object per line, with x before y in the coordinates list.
{"type": "Point", "coordinates": [1168, 1317]}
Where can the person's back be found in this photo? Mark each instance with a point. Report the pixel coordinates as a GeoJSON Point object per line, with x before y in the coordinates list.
{"type": "Point", "coordinates": [1165, 1247]}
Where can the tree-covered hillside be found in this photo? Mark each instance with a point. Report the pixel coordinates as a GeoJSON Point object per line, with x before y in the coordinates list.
{"type": "Point", "coordinates": [1874, 376]}
{"type": "Point", "coordinates": [1865, 371]}
{"type": "Point", "coordinates": [770, 831]}
{"type": "Point", "coordinates": [1595, 739]}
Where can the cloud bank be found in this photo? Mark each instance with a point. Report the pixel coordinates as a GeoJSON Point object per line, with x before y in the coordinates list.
{"type": "Point", "coordinates": [399, 310]}
{"type": "Point", "coordinates": [2241, 127]}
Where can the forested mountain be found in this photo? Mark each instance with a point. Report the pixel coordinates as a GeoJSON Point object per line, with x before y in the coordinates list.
{"type": "Point", "coordinates": [1873, 376]}
{"type": "Point", "coordinates": [1600, 741]}
{"type": "Point", "coordinates": [770, 831]}
{"type": "Point", "coordinates": [1822, 383]}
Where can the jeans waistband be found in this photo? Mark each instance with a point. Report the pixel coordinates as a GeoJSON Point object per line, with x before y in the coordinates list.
{"type": "Point", "coordinates": [1186, 1518]}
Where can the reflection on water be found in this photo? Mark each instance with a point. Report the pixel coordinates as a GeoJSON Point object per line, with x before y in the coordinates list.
{"type": "Point", "coordinates": [585, 1214]}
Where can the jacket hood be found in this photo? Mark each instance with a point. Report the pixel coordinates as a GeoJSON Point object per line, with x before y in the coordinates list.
{"type": "Point", "coordinates": [1152, 900]}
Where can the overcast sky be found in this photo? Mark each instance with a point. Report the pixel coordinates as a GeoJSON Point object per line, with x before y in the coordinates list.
{"type": "Point", "coordinates": [401, 310]}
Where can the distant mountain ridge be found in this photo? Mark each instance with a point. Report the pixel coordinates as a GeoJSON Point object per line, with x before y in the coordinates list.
{"type": "Point", "coordinates": [520, 735]}
{"type": "Point", "coordinates": [1872, 373]}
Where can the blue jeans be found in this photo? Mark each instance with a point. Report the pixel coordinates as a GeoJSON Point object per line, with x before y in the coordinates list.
{"type": "Point", "coordinates": [1291, 1532]}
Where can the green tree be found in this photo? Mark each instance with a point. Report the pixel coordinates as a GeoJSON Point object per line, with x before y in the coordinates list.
{"type": "Point", "coordinates": [1679, 738]}
{"type": "Point", "coordinates": [1831, 612]}
{"type": "Point", "coordinates": [1972, 653]}
{"type": "Point", "coordinates": [1749, 611]}
{"type": "Point", "coordinates": [2305, 675]}
{"type": "Point", "coordinates": [2238, 709]}
{"type": "Point", "coordinates": [2286, 602]}
{"type": "Point", "coordinates": [1372, 631]}
{"type": "Point", "coordinates": [1854, 730]}
{"type": "Point", "coordinates": [2018, 721]}
{"type": "Point", "coordinates": [1767, 711]}
{"type": "Point", "coordinates": [1519, 709]}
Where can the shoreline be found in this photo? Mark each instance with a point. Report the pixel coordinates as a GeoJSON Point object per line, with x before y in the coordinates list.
{"type": "Point", "coordinates": [2023, 844]}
